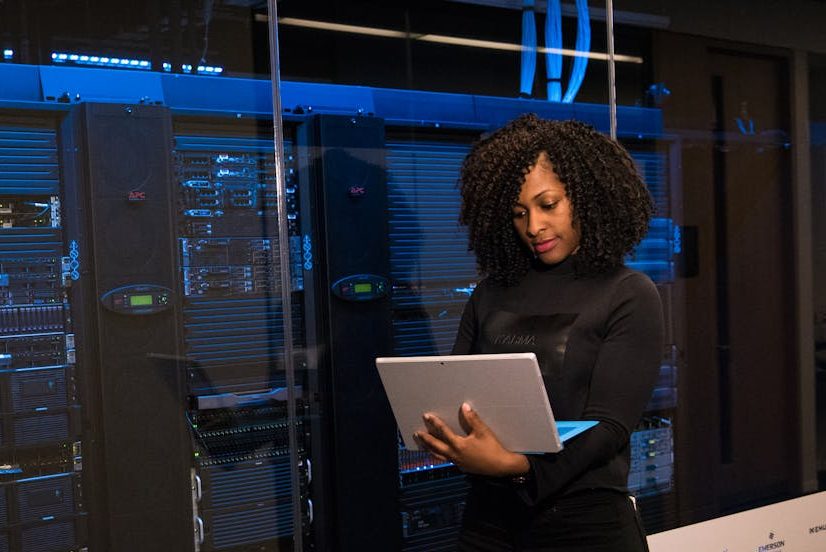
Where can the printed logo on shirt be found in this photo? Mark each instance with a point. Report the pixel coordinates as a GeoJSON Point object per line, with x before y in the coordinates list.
{"type": "Point", "coordinates": [514, 339]}
{"type": "Point", "coordinates": [546, 335]}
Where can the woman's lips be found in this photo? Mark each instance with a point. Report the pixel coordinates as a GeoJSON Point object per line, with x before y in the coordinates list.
{"type": "Point", "coordinates": [545, 245]}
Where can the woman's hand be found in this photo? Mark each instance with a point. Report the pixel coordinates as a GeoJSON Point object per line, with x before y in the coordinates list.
{"type": "Point", "coordinates": [479, 453]}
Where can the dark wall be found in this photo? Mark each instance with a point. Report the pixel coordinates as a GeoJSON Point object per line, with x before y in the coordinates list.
{"type": "Point", "coordinates": [784, 23]}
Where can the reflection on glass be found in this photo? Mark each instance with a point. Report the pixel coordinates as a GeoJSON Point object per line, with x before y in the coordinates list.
{"type": "Point", "coordinates": [141, 319]}
{"type": "Point", "coordinates": [178, 37]}
{"type": "Point", "coordinates": [141, 334]}
{"type": "Point", "coordinates": [727, 117]}
{"type": "Point", "coordinates": [463, 47]}
{"type": "Point", "coordinates": [425, 137]}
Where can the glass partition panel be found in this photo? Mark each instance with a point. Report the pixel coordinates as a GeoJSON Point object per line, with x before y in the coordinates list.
{"type": "Point", "coordinates": [386, 101]}
{"type": "Point", "coordinates": [817, 106]}
{"type": "Point", "coordinates": [148, 224]}
{"type": "Point", "coordinates": [192, 308]}
{"type": "Point", "coordinates": [731, 89]}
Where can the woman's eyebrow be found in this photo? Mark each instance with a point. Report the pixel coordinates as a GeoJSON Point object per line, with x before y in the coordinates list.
{"type": "Point", "coordinates": [543, 192]}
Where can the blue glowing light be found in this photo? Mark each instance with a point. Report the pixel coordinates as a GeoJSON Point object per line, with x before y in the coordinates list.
{"type": "Point", "coordinates": [8, 53]}
{"type": "Point", "coordinates": [100, 61]}
{"type": "Point", "coordinates": [125, 63]}
{"type": "Point", "coordinates": [678, 240]}
{"type": "Point", "coordinates": [209, 70]}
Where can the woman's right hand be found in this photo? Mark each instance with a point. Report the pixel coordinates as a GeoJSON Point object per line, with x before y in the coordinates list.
{"type": "Point", "coordinates": [480, 452]}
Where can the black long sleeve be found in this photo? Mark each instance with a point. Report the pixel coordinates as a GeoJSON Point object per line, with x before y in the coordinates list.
{"type": "Point", "coordinates": [599, 342]}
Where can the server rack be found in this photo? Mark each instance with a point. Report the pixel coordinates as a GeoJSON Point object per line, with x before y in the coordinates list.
{"type": "Point", "coordinates": [652, 475]}
{"type": "Point", "coordinates": [212, 417]}
{"type": "Point", "coordinates": [227, 240]}
{"type": "Point", "coordinates": [230, 461]}
{"type": "Point", "coordinates": [433, 277]}
{"type": "Point", "coordinates": [42, 503]}
{"type": "Point", "coordinates": [168, 272]}
{"type": "Point", "coordinates": [343, 181]}
{"type": "Point", "coordinates": [116, 175]}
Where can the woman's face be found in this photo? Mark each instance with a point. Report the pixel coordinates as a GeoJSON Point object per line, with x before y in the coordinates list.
{"type": "Point", "coordinates": [543, 215]}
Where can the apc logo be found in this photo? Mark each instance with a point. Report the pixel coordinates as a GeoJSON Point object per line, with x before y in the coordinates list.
{"type": "Point", "coordinates": [137, 195]}
{"type": "Point", "coordinates": [357, 191]}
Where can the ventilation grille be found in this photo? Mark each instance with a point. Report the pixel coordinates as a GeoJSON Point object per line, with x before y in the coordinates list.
{"type": "Point", "coordinates": [433, 272]}
{"type": "Point", "coordinates": [28, 161]}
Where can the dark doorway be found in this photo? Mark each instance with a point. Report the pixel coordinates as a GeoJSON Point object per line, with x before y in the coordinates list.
{"type": "Point", "coordinates": [736, 441]}
{"type": "Point", "coordinates": [753, 280]}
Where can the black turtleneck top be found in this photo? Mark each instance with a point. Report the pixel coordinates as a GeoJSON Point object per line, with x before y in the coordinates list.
{"type": "Point", "coordinates": [599, 342]}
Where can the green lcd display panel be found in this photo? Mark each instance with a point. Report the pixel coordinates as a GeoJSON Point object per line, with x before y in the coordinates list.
{"type": "Point", "coordinates": [363, 288]}
{"type": "Point", "coordinates": [140, 300]}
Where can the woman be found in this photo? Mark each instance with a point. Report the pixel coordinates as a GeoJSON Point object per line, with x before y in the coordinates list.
{"type": "Point", "coordinates": [552, 209]}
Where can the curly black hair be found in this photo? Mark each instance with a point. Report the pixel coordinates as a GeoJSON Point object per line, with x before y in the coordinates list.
{"type": "Point", "coordinates": [611, 204]}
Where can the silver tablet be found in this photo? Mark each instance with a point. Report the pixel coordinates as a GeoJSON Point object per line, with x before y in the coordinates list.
{"type": "Point", "coordinates": [505, 389]}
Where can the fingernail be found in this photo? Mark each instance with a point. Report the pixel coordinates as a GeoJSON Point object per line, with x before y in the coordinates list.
{"type": "Point", "coordinates": [466, 407]}
{"type": "Point", "coordinates": [427, 417]}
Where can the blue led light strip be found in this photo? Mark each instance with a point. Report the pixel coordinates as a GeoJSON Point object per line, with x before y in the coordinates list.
{"type": "Point", "coordinates": [66, 58]}
{"type": "Point", "coordinates": [100, 61]}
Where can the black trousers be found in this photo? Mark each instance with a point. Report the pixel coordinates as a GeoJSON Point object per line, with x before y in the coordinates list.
{"type": "Point", "coordinates": [597, 520]}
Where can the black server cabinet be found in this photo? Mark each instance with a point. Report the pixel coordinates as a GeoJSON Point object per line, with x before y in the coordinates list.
{"type": "Point", "coordinates": [344, 185]}
{"type": "Point", "coordinates": [119, 219]}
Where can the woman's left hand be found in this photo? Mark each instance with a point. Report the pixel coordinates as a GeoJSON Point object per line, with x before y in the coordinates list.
{"type": "Point", "coordinates": [480, 452]}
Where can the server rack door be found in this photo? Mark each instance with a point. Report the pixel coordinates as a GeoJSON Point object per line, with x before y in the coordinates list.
{"type": "Point", "coordinates": [126, 308]}
{"type": "Point", "coordinates": [345, 182]}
